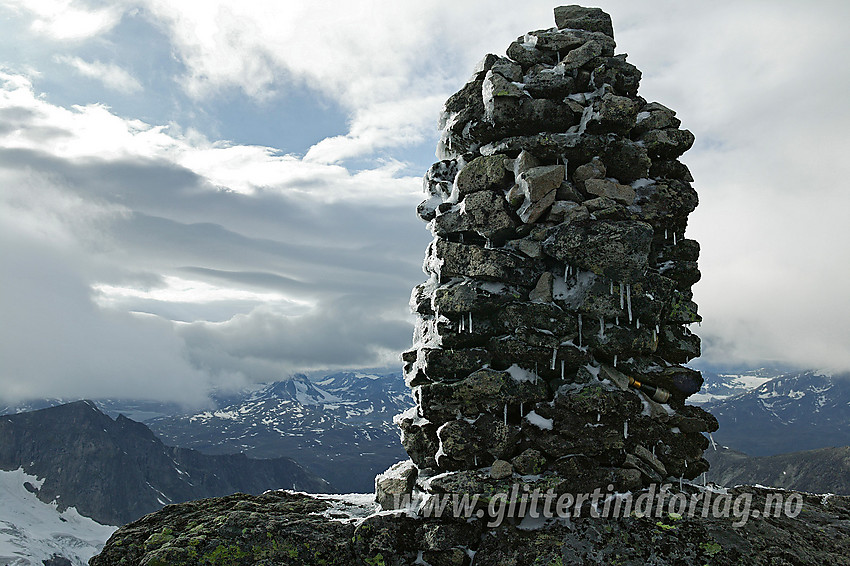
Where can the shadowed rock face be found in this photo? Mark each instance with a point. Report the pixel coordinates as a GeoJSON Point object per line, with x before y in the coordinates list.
{"type": "Point", "coordinates": [559, 269]}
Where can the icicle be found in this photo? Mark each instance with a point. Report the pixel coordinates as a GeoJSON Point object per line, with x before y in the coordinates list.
{"type": "Point", "coordinates": [564, 157]}
{"type": "Point", "coordinates": [617, 321]}
{"type": "Point", "coordinates": [665, 234]}
{"type": "Point", "coordinates": [686, 464]}
{"type": "Point", "coordinates": [562, 369]}
{"type": "Point", "coordinates": [621, 296]}
{"type": "Point", "coordinates": [470, 322]}
{"type": "Point", "coordinates": [476, 460]}
{"type": "Point", "coordinates": [637, 323]}
{"type": "Point", "coordinates": [506, 414]}
{"type": "Point", "coordinates": [521, 412]}
{"type": "Point", "coordinates": [579, 330]}
{"type": "Point", "coordinates": [713, 445]}
{"type": "Point", "coordinates": [674, 237]}
{"type": "Point", "coordinates": [601, 327]}
{"type": "Point", "coordinates": [625, 429]}
{"type": "Point", "coordinates": [554, 355]}
{"type": "Point", "coordinates": [704, 479]}
{"type": "Point", "coordinates": [682, 477]}
{"type": "Point", "coordinates": [611, 290]}
{"type": "Point", "coordinates": [629, 299]}
{"type": "Point", "coordinates": [598, 417]}
{"type": "Point", "coordinates": [461, 329]}
{"type": "Point", "coordinates": [615, 360]}
{"type": "Point", "coordinates": [566, 272]}
{"type": "Point", "coordinates": [653, 450]}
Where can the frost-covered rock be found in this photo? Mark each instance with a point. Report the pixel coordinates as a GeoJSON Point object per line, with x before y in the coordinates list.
{"type": "Point", "coordinates": [553, 327]}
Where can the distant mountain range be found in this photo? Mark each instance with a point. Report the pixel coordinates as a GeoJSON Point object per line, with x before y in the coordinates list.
{"type": "Point", "coordinates": [339, 427]}
{"type": "Point", "coordinates": [722, 384]}
{"type": "Point", "coordinates": [790, 413]}
{"type": "Point", "coordinates": [115, 471]}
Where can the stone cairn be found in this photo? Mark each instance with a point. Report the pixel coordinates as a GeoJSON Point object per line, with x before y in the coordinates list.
{"type": "Point", "coordinates": [553, 328]}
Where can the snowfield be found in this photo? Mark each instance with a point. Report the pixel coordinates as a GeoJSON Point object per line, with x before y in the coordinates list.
{"type": "Point", "coordinates": [32, 531]}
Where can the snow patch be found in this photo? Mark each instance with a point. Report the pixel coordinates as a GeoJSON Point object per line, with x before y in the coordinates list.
{"type": "Point", "coordinates": [539, 421]}
{"type": "Point", "coordinates": [32, 531]}
{"type": "Point", "coordinates": [520, 374]}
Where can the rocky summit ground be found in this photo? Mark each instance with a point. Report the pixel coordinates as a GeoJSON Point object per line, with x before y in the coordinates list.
{"type": "Point", "coordinates": [298, 529]}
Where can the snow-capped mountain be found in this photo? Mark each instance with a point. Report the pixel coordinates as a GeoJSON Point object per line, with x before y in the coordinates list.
{"type": "Point", "coordinates": [138, 410]}
{"type": "Point", "coordinates": [339, 427]}
{"type": "Point", "coordinates": [115, 471]}
{"type": "Point", "coordinates": [723, 384]}
{"type": "Point", "coordinates": [34, 533]}
{"type": "Point", "coordinates": [794, 412]}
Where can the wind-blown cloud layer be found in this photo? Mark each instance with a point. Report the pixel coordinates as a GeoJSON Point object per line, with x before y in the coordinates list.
{"type": "Point", "coordinates": [154, 247]}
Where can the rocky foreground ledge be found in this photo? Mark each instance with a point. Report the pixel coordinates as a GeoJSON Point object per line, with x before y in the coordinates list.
{"type": "Point", "coordinates": [294, 528]}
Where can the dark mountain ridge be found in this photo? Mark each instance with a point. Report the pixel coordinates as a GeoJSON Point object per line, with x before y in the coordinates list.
{"type": "Point", "coordinates": [115, 471]}
{"type": "Point", "coordinates": [825, 470]}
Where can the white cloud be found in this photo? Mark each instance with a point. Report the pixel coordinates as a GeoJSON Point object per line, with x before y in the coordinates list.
{"type": "Point", "coordinates": [106, 218]}
{"type": "Point", "coordinates": [94, 132]}
{"type": "Point", "coordinates": [111, 75]}
{"type": "Point", "coordinates": [390, 64]}
{"type": "Point", "coordinates": [68, 20]}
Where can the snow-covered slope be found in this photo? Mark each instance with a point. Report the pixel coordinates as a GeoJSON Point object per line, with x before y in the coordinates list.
{"type": "Point", "coordinates": [340, 427]}
{"type": "Point", "coordinates": [32, 531]}
{"type": "Point", "coordinates": [720, 385]}
{"type": "Point", "coordinates": [794, 412]}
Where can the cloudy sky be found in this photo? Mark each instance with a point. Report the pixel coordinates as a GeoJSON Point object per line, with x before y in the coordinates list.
{"type": "Point", "coordinates": [210, 193]}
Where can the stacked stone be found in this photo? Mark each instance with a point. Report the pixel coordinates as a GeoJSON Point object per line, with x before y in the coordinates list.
{"type": "Point", "coordinates": [559, 269]}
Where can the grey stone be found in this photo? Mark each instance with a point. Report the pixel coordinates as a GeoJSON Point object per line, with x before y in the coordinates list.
{"type": "Point", "coordinates": [655, 116]}
{"type": "Point", "coordinates": [568, 192]}
{"type": "Point", "coordinates": [484, 212]}
{"type": "Point", "coordinates": [623, 77]}
{"type": "Point", "coordinates": [604, 188]}
{"type": "Point", "coordinates": [617, 250]}
{"type": "Point", "coordinates": [529, 247]}
{"type": "Point", "coordinates": [617, 113]}
{"type": "Point", "coordinates": [582, 55]}
{"type": "Point", "coordinates": [523, 162]}
{"type": "Point", "coordinates": [392, 485]}
{"type": "Point", "coordinates": [578, 17]}
{"type": "Point", "coordinates": [648, 457]}
{"type": "Point", "coordinates": [539, 185]}
{"type": "Point", "coordinates": [530, 462]}
{"type": "Point", "coordinates": [567, 211]}
{"type": "Point", "coordinates": [594, 169]}
{"type": "Point", "coordinates": [542, 292]}
{"type": "Point", "coordinates": [452, 259]}
{"type": "Point", "coordinates": [554, 83]}
{"type": "Point", "coordinates": [501, 469]}
{"type": "Point", "coordinates": [669, 143]}
{"type": "Point", "coordinates": [483, 173]}
{"type": "Point", "coordinates": [515, 197]}
{"type": "Point", "coordinates": [507, 69]}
